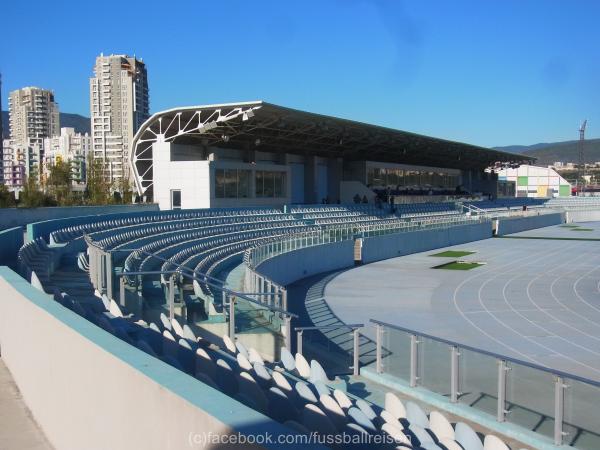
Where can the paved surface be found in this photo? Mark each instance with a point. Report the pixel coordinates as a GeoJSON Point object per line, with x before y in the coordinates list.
{"type": "Point", "coordinates": [18, 430]}
{"type": "Point", "coordinates": [534, 299]}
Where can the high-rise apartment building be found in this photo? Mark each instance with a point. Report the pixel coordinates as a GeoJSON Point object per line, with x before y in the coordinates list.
{"type": "Point", "coordinates": [19, 162]}
{"type": "Point", "coordinates": [119, 104]}
{"type": "Point", "coordinates": [70, 147]}
{"type": "Point", "coordinates": [33, 115]}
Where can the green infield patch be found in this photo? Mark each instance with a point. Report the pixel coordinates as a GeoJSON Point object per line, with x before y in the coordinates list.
{"type": "Point", "coordinates": [582, 229]}
{"type": "Point", "coordinates": [459, 265]}
{"type": "Point", "coordinates": [570, 225]}
{"type": "Point", "coordinates": [452, 254]}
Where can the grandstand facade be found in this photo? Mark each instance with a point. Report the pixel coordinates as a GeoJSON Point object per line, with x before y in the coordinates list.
{"type": "Point", "coordinates": [261, 154]}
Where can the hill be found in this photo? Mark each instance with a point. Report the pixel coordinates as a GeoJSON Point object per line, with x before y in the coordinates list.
{"type": "Point", "coordinates": [80, 123]}
{"type": "Point", "coordinates": [548, 153]}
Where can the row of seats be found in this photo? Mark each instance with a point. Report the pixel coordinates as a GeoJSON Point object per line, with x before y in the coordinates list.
{"type": "Point", "coordinates": [69, 233]}
{"type": "Point", "coordinates": [294, 392]}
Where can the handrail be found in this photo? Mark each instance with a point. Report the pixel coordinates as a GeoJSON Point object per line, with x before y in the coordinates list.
{"type": "Point", "coordinates": [449, 342]}
{"type": "Point", "coordinates": [228, 291]}
{"type": "Point", "coordinates": [330, 327]}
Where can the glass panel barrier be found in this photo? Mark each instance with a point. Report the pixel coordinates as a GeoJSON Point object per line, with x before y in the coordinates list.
{"type": "Point", "coordinates": [478, 385]}
{"type": "Point", "coordinates": [530, 398]}
{"type": "Point", "coordinates": [581, 420]}
{"type": "Point", "coordinates": [332, 348]}
{"type": "Point", "coordinates": [395, 353]}
{"type": "Point", "coordinates": [434, 366]}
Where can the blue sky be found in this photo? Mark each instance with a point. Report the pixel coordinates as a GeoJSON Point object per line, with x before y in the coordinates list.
{"type": "Point", "coordinates": [484, 72]}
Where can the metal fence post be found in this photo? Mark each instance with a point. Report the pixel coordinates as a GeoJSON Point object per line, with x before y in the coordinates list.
{"type": "Point", "coordinates": [356, 353]}
{"type": "Point", "coordinates": [299, 341]}
{"type": "Point", "coordinates": [559, 402]}
{"type": "Point", "coordinates": [288, 332]}
{"type": "Point", "coordinates": [378, 334]}
{"type": "Point", "coordinates": [122, 291]}
{"type": "Point", "coordinates": [501, 408]}
{"type": "Point", "coordinates": [454, 375]}
{"type": "Point", "coordinates": [109, 275]}
{"type": "Point", "coordinates": [232, 317]}
{"type": "Point", "coordinates": [172, 297]}
{"type": "Point", "coordinates": [414, 359]}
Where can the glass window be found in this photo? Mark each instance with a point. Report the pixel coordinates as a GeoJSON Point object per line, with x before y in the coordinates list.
{"type": "Point", "coordinates": [243, 183]}
{"type": "Point", "coordinates": [219, 183]}
{"type": "Point", "coordinates": [270, 184]}
{"type": "Point", "coordinates": [175, 199]}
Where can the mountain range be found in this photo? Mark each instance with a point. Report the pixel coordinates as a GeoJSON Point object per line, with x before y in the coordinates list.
{"type": "Point", "coordinates": [549, 152]}
{"type": "Point", "coordinates": [80, 123]}
{"type": "Point", "coordinates": [545, 152]}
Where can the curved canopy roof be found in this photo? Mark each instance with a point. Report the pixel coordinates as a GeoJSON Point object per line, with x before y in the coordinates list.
{"type": "Point", "coordinates": [272, 128]}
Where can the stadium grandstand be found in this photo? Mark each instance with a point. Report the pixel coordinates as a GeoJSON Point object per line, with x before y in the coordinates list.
{"type": "Point", "coordinates": [225, 315]}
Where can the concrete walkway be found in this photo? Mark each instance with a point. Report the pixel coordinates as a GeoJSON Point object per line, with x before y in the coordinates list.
{"type": "Point", "coordinates": [18, 430]}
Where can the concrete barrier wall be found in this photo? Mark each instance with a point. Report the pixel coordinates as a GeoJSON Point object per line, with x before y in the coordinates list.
{"type": "Point", "coordinates": [582, 216]}
{"type": "Point", "coordinates": [289, 267]}
{"type": "Point", "coordinates": [43, 228]}
{"type": "Point", "coordinates": [393, 245]}
{"type": "Point", "coordinates": [19, 217]}
{"type": "Point", "coordinates": [88, 389]}
{"type": "Point", "coordinates": [509, 226]}
{"type": "Point", "coordinates": [11, 241]}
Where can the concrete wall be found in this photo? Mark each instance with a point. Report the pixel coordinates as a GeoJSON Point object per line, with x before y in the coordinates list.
{"type": "Point", "coordinates": [582, 216]}
{"type": "Point", "coordinates": [289, 267]}
{"type": "Point", "coordinates": [509, 226]}
{"type": "Point", "coordinates": [11, 241]}
{"type": "Point", "coordinates": [393, 245]}
{"type": "Point", "coordinates": [88, 389]}
{"type": "Point", "coordinates": [19, 217]}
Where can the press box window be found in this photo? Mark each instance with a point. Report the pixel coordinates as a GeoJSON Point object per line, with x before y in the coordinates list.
{"type": "Point", "coordinates": [232, 183]}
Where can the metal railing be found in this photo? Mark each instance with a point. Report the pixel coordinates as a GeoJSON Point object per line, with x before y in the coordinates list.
{"type": "Point", "coordinates": [514, 390]}
{"type": "Point", "coordinates": [337, 233]}
{"type": "Point", "coordinates": [355, 327]}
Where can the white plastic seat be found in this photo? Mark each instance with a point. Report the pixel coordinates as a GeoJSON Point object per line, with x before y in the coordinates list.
{"type": "Point", "coordinates": [287, 359]}
{"type": "Point", "coordinates": [229, 345]}
{"type": "Point", "coordinates": [317, 373]}
{"type": "Point", "coordinates": [342, 399]}
{"type": "Point", "coordinates": [249, 387]}
{"type": "Point", "coordinates": [254, 356]}
{"type": "Point", "coordinates": [204, 364]}
{"type": "Point", "coordinates": [415, 415]}
{"type": "Point", "coordinates": [177, 328]}
{"type": "Point", "coordinates": [396, 433]}
{"type": "Point", "coordinates": [166, 323]}
{"type": "Point", "coordinates": [440, 426]}
{"type": "Point", "coordinates": [170, 345]}
{"type": "Point", "coordinates": [421, 434]}
{"type": "Point", "coordinates": [241, 348]}
{"type": "Point", "coordinates": [302, 366]}
{"type": "Point", "coordinates": [243, 362]}
{"type": "Point", "coordinates": [466, 437]}
{"type": "Point", "coordinates": [315, 419]}
{"type": "Point", "coordinates": [492, 442]}
{"type": "Point", "coordinates": [451, 444]}
{"type": "Point", "coordinates": [282, 383]}
{"type": "Point", "coordinates": [361, 419]}
{"type": "Point", "coordinates": [114, 309]}
{"type": "Point", "coordinates": [394, 406]}
{"type": "Point", "coordinates": [304, 393]}
{"type": "Point", "coordinates": [333, 410]}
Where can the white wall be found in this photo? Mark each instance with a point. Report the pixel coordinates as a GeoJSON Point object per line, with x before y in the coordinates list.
{"type": "Point", "coordinates": [191, 177]}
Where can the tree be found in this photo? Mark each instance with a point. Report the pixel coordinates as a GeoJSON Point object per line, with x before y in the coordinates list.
{"type": "Point", "coordinates": [7, 198]}
{"type": "Point", "coordinates": [98, 189]}
{"type": "Point", "coordinates": [59, 183]}
{"type": "Point", "coordinates": [32, 196]}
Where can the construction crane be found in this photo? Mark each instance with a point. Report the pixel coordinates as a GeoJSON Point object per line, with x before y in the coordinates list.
{"type": "Point", "coordinates": [581, 154]}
